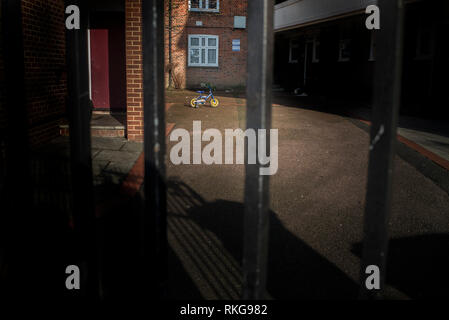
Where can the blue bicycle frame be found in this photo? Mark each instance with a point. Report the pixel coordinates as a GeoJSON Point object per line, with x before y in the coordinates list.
{"type": "Point", "coordinates": [203, 99]}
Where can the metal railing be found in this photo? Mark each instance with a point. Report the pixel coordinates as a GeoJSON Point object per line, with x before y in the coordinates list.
{"type": "Point", "coordinates": [79, 113]}
{"type": "Point", "coordinates": [257, 193]}
{"type": "Point", "coordinates": [155, 190]}
{"type": "Point", "coordinates": [259, 84]}
{"type": "Point", "coordinates": [387, 92]}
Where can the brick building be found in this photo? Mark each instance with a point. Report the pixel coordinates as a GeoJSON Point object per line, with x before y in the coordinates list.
{"type": "Point", "coordinates": [324, 49]}
{"type": "Point", "coordinates": [43, 29]}
{"type": "Point", "coordinates": [206, 42]}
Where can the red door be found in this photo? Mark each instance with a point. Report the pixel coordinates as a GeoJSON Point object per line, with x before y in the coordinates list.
{"type": "Point", "coordinates": [99, 51]}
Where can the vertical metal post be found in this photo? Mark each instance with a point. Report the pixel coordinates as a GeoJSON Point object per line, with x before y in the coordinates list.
{"type": "Point", "coordinates": [258, 116]}
{"type": "Point", "coordinates": [387, 93]}
{"type": "Point", "coordinates": [155, 215]}
{"type": "Point", "coordinates": [17, 196]}
{"type": "Point", "coordinates": [79, 112]}
{"type": "Point", "coordinates": [17, 154]}
{"type": "Point", "coordinates": [170, 40]}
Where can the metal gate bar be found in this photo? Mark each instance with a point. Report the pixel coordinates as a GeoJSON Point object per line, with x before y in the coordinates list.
{"type": "Point", "coordinates": [258, 116]}
{"type": "Point", "coordinates": [155, 214]}
{"type": "Point", "coordinates": [17, 144]}
{"type": "Point", "coordinates": [16, 195]}
{"type": "Point", "coordinates": [387, 90]}
{"type": "Point", "coordinates": [79, 114]}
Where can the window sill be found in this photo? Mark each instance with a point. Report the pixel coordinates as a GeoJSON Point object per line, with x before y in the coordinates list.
{"type": "Point", "coordinates": [205, 10]}
{"type": "Point", "coordinates": [203, 66]}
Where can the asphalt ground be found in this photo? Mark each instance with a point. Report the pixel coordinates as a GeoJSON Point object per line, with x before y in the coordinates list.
{"type": "Point", "coordinates": [316, 200]}
{"type": "Point", "coordinates": [317, 203]}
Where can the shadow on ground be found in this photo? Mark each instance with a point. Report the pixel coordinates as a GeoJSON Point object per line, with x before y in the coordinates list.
{"type": "Point", "coordinates": [418, 265]}
{"type": "Point", "coordinates": [213, 234]}
{"type": "Point", "coordinates": [360, 110]}
{"type": "Point", "coordinates": [122, 278]}
{"type": "Point", "coordinates": [204, 253]}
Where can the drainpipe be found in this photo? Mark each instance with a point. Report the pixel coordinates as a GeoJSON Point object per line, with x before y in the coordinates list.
{"type": "Point", "coordinates": [169, 42]}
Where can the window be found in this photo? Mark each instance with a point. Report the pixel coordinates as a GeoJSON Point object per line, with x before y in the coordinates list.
{"type": "Point", "coordinates": [424, 43]}
{"type": "Point", "coordinates": [346, 30]}
{"type": "Point", "coordinates": [203, 51]}
{"type": "Point", "coordinates": [316, 50]}
{"type": "Point", "coordinates": [372, 49]}
{"type": "Point", "coordinates": [294, 51]}
{"type": "Point", "coordinates": [204, 5]}
{"type": "Point", "coordinates": [345, 50]}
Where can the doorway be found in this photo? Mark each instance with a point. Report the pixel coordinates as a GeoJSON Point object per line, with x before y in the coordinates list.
{"type": "Point", "coordinates": [107, 61]}
{"type": "Point", "coordinates": [308, 53]}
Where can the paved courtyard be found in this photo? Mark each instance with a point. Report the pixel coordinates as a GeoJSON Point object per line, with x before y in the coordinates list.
{"type": "Point", "coordinates": [317, 205]}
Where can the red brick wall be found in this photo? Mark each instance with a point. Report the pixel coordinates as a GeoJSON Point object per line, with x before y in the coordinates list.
{"type": "Point", "coordinates": [134, 72]}
{"type": "Point", "coordinates": [179, 59]}
{"type": "Point", "coordinates": [44, 51]}
{"type": "Point", "coordinates": [232, 65]}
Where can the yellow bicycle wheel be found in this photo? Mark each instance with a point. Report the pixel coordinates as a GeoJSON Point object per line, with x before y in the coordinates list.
{"type": "Point", "coordinates": [214, 102]}
{"type": "Point", "coordinates": [193, 103]}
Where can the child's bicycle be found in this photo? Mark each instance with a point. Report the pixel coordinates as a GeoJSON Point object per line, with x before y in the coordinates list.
{"type": "Point", "coordinates": [202, 99]}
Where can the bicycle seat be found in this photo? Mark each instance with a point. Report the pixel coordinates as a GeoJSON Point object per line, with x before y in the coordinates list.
{"type": "Point", "coordinates": [200, 91]}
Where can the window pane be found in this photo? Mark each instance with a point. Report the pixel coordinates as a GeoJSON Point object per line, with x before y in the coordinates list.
{"type": "Point", "coordinates": [345, 49]}
{"type": "Point", "coordinates": [195, 56]}
{"type": "Point", "coordinates": [194, 4]}
{"type": "Point", "coordinates": [194, 41]}
{"type": "Point", "coordinates": [295, 54]}
{"type": "Point", "coordinates": [203, 42]}
{"type": "Point", "coordinates": [213, 4]}
{"type": "Point", "coordinates": [212, 42]}
{"type": "Point", "coordinates": [212, 56]}
{"type": "Point", "coordinates": [372, 50]}
{"type": "Point", "coordinates": [203, 56]}
{"type": "Point", "coordinates": [426, 44]}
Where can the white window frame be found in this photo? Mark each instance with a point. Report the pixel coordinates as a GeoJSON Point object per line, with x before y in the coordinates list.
{"type": "Point", "coordinates": [340, 50]}
{"type": "Point", "coordinates": [372, 47]}
{"type": "Point", "coordinates": [419, 55]}
{"type": "Point", "coordinates": [205, 7]}
{"type": "Point", "coordinates": [316, 43]}
{"type": "Point", "coordinates": [206, 47]}
{"type": "Point", "coordinates": [290, 54]}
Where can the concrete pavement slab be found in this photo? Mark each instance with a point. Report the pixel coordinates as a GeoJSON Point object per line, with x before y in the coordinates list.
{"type": "Point", "coordinates": [438, 144]}
{"type": "Point", "coordinates": [132, 146]}
{"type": "Point", "coordinates": [113, 155]}
{"type": "Point", "coordinates": [108, 143]}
